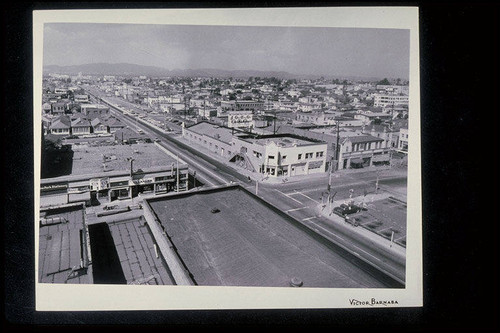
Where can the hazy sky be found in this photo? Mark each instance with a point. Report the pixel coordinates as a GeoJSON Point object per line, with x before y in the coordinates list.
{"type": "Point", "coordinates": [321, 51]}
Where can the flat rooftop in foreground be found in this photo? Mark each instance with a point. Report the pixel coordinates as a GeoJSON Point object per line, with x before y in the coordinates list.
{"type": "Point", "coordinates": [248, 243]}
{"type": "Point", "coordinates": [89, 160]}
{"type": "Point", "coordinates": [59, 246]}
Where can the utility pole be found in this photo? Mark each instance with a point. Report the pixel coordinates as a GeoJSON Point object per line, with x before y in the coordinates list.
{"type": "Point", "coordinates": [274, 124]}
{"type": "Point", "coordinates": [177, 173]}
{"type": "Point", "coordinates": [337, 148]}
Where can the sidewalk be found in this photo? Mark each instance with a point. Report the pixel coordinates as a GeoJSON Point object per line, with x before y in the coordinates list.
{"type": "Point", "coordinates": [375, 238]}
{"type": "Point", "coordinates": [264, 179]}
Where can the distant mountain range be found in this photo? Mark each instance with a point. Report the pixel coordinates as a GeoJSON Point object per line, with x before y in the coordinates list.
{"type": "Point", "coordinates": [126, 69]}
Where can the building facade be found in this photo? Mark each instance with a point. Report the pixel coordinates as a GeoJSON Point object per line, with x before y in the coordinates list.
{"type": "Point", "coordinates": [240, 119]}
{"type": "Point", "coordinates": [280, 155]}
{"type": "Point", "coordinates": [363, 151]}
{"type": "Point", "coordinates": [386, 99]}
{"type": "Point", "coordinates": [111, 186]}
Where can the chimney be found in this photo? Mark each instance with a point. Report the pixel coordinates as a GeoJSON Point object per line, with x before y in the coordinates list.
{"type": "Point", "coordinates": [131, 167]}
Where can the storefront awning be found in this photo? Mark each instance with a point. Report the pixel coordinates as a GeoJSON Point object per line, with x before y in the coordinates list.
{"type": "Point", "coordinates": [76, 197]}
{"type": "Point", "coordinates": [119, 179]}
{"type": "Point", "coordinates": [380, 158]}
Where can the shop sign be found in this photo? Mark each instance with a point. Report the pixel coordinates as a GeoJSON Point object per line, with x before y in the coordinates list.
{"type": "Point", "coordinates": [53, 187]}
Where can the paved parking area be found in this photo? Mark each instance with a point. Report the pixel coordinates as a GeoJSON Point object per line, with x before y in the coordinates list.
{"type": "Point", "coordinates": [385, 217]}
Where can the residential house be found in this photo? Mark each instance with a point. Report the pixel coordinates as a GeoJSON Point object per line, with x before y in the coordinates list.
{"type": "Point", "coordinates": [99, 126]}
{"type": "Point", "coordinates": [61, 126]}
{"type": "Point", "coordinates": [81, 126]}
{"type": "Point", "coordinates": [58, 108]}
{"type": "Point", "coordinates": [114, 124]}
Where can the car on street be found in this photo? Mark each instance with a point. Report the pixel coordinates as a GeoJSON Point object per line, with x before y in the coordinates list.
{"type": "Point", "coordinates": [344, 209]}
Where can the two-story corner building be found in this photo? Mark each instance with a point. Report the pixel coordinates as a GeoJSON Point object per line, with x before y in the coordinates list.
{"type": "Point", "coordinates": [280, 154]}
{"type": "Point", "coordinates": [240, 119]}
{"type": "Point", "coordinates": [403, 139]}
{"type": "Point", "coordinates": [60, 126]}
{"type": "Point", "coordinates": [94, 110]}
{"type": "Point", "coordinates": [275, 155]}
{"type": "Point", "coordinates": [363, 151]}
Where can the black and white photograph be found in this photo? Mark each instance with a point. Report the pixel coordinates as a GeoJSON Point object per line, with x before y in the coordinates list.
{"type": "Point", "coordinates": [227, 158]}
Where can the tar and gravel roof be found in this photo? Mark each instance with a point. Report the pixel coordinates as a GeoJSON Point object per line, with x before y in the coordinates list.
{"type": "Point", "coordinates": [247, 243]}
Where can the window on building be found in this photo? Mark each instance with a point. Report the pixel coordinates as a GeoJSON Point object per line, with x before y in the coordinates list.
{"type": "Point", "coordinates": [283, 157]}
{"type": "Point", "coordinates": [309, 155]}
{"type": "Point", "coordinates": [271, 157]}
{"type": "Point", "coordinates": [299, 157]}
{"type": "Point", "coordinates": [319, 154]}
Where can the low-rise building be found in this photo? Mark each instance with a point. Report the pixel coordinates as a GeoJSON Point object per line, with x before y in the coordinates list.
{"type": "Point", "coordinates": [240, 119]}
{"type": "Point", "coordinates": [386, 99]}
{"type": "Point", "coordinates": [217, 139]}
{"type": "Point", "coordinates": [242, 105]}
{"type": "Point", "coordinates": [58, 108]}
{"type": "Point", "coordinates": [61, 126]}
{"type": "Point", "coordinates": [94, 110]}
{"type": "Point", "coordinates": [81, 98]}
{"type": "Point", "coordinates": [403, 139]}
{"type": "Point", "coordinates": [280, 154]}
{"type": "Point", "coordinates": [81, 126]}
{"type": "Point", "coordinates": [363, 151]}
{"type": "Point", "coordinates": [368, 116]}
{"type": "Point", "coordinates": [99, 126]}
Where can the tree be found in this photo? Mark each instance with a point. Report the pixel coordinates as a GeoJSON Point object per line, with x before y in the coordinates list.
{"type": "Point", "coordinates": [384, 82]}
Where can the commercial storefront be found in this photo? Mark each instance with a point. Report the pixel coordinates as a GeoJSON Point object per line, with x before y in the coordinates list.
{"type": "Point", "coordinates": [120, 186]}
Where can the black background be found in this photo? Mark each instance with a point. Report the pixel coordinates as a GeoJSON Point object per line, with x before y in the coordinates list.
{"type": "Point", "coordinates": [459, 117]}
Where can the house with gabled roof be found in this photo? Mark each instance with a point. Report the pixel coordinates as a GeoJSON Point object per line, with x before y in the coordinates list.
{"type": "Point", "coordinates": [81, 126]}
{"type": "Point", "coordinates": [99, 126]}
{"type": "Point", "coordinates": [61, 126]}
{"type": "Point", "coordinates": [114, 124]}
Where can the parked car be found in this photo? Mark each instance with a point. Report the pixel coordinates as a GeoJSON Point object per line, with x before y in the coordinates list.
{"type": "Point", "coordinates": [344, 209]}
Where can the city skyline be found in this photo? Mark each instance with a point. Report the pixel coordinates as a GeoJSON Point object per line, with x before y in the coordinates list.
{"type": "Point", "coordinates": [364, 52]}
